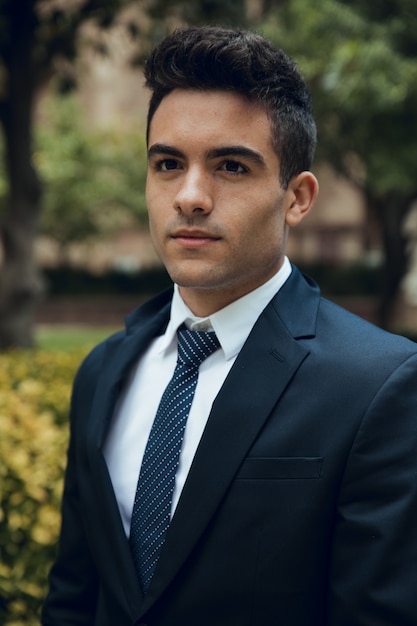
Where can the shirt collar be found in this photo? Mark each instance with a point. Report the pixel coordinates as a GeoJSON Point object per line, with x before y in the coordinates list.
{"type": "Point", "coordinates": [233, 323]}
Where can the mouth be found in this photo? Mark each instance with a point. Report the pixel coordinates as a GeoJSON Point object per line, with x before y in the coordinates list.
{"type": "Point", "coordinates": [193, 238]}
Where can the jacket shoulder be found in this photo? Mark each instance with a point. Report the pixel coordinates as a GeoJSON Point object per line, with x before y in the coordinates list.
{"type": "Point", "coordinates": [145, 319]}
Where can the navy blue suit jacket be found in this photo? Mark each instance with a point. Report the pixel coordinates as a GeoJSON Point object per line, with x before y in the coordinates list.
{"type": "Point", "coordinates": [300, 508]}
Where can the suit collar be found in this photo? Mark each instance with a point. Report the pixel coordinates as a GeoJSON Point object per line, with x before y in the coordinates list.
{"type": "Point", "coordinates": [297, 305]}
{"type": "Point", "coordinates": [233, 323]}
{"type": "Point", "coordinates": [150, 314]}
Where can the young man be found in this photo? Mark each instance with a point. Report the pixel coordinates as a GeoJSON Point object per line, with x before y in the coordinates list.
{"type": "Point", "coordinates": [292, 497]}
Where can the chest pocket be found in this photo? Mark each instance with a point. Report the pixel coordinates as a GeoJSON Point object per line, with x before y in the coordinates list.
{"type": "Point", "coordinates": [280, 468]}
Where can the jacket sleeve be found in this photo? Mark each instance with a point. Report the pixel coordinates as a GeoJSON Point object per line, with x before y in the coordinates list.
{"type": "Point", "coordinates": [374, 565]}
{"type": "Point", "coordinates": [73, 585]}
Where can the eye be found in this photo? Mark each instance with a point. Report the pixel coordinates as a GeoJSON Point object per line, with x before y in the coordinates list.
{"type": "Point", "coordinates": [167, 165]}
{"type": "Point", "coordinates": [234, 167]}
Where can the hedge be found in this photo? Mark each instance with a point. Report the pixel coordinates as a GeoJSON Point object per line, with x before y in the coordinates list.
{"type": "Point", "coordinates": [35, 389]}
{"type": "Point", "coordinates": [66, 280]}
{"type": "Point", "coordinates": [350, 279]}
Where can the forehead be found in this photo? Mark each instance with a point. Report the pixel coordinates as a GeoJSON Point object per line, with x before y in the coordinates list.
{"type": "Point", "coordinates": [210, 116]}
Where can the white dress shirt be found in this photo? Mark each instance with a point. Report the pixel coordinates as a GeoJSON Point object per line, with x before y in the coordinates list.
{"type": "Point", "coordinates": [138, 403]}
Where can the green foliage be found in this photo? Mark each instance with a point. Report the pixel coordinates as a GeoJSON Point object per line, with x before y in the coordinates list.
{"type": "Point", "coordinates": [71, 338]}
{"type": "Point", "coordinates": [202, 12]}
{"type": "Point", "coordinates": [353, 279]}
{"type": "Point", "coordinates": [66, 280]}
{"type": "Point", "coordinates": [94, 180]}
{"type": "Point", "coordinates": [361, 62]}
{"type": "Point", "coordinates": [360, 59]}
{"type": "Point", "coordinates": [34, 399]}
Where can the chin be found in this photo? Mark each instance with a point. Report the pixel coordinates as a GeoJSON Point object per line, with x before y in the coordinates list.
{"type": "Point", "coordinates": [190, 278]}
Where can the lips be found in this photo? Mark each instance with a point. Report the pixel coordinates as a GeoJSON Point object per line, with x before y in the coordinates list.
{"type": "Point", "coordinates": [193, 238]}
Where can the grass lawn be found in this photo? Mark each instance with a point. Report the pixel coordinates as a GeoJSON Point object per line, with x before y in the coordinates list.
{"type": "Point", "coordinates": [66, 338]}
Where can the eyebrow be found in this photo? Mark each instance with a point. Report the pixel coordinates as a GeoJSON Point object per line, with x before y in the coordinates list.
{"type": "Point", "coordinates": [238, 151]}
{"type": "Point", "coordinates": [215, 153]}
{"type": "Point", "coordinates": [160, 148]}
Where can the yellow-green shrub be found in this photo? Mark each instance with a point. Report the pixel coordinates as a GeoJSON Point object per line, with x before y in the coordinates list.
{"type": "Point", "coordinates": [35, 389]}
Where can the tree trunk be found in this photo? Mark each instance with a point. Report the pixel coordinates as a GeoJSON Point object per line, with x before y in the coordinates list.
{"type": "Point", "coordinates": [20, 281]}
{"type": "Point", "coordinates": [390, 213]}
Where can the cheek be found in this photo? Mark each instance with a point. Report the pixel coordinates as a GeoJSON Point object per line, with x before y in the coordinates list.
{"type": "Point", "coordinates": [270, 237]}
{"type": "Point", "coordinates": [153, 197]}
{"type": "Point", "coordinates": [155, 230]}
{"type": "Point", "coordinates": [263, 224]}
{"type": "Point", "coordinates": [156, 213]}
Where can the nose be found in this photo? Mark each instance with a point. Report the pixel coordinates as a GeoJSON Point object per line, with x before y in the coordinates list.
{"type": "Point", "coordinates": [195, 194]}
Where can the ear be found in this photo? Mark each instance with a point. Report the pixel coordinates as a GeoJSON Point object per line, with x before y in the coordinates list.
{"type": "Point", "coordinates": [301, 194]}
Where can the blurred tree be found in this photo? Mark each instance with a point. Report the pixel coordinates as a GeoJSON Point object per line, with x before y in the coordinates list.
{"type": "Point", "coordinates": [226, 12]}
{"type": "Point", "coordinates": [94, 179]}
{"type": "Point", "coordinates": [37, 37]}
{"type": "Point", "coordinates": [34, 35]}
{"type": "Point", "coordinates": [19, 281]}
{"type": "Point", "coordinates": [360, 59]}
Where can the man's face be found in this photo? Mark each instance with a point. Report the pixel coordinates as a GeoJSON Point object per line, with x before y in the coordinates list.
{"type": "Point", "coordinates": [216, 208]}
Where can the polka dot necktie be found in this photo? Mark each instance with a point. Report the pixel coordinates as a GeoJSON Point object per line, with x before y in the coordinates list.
{"type": "Point", "coordinates": [152, 506]}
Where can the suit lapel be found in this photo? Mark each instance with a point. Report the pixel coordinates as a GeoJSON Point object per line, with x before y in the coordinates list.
{"type": "Point", "coordinates": [263, 369]}
{"type": "Point", "coordinates": [120, 354]}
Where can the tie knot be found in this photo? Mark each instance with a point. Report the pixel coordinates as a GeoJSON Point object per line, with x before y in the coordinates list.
{"type": "Point", "coordinates": [194, 346]}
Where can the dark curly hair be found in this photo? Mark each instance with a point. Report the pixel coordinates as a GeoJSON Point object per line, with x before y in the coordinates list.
{"type": "Point", "coordinates": [214, 58]}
